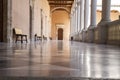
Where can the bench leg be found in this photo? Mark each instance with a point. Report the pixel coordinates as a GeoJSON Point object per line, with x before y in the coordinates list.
{"type": "Point", "coordinates": [21, 39]}
{"type": "Point", "coordinates": [26, 39]}
{"type": "Point", "coordinates": [16, 40]}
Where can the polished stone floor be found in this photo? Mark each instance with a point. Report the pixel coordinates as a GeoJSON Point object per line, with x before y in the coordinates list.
{"type": "Point", "coordinates": [59, 60]}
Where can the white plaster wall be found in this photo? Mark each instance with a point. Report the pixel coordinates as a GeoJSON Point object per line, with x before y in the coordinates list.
{"type": "Point", "coordinates": [44, 5]}
{"type": "Point", "coordinates": [20, 15]}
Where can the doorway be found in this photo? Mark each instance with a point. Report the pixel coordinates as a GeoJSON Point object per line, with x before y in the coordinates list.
{"type": "Point", "coordinates": [60, 34]}
{"type": "Point", "coordinates": [1, 20]}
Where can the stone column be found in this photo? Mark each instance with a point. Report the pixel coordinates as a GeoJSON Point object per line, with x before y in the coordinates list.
{"type": "Point", "coordinates": [86, 14]}
{"type": "Point", "coordinates": [82, 13]}
{"type": "Point", "coordinates": [78, 17]}
{"type": "Point", "coordinates": [9, 22]}
{"type": "Point", "coordinates": [77, 14]}
{"type": "Point", "coordinates": [86, 19]}
{"type": "Point", "coordinates": [32, 3]}
{"type": "Point", "coordinates": [93, 13]}
{"type": "Point", "coordinates": [81, 2]}
{"type": "Point", "coordinates": [106, 4]}
{"type": "Point", "coordinates": [102, 25]}
{"type": "Point", "coordinates": [7, 19]}
{"type": "Point", "coordinates": [74, 22]}
{"type": "Point", "coordinates": [79, 20]}
{"type": "Point", "coordinates": [71, 25]}
{"type": "Point", "coordinates": [92, 21]}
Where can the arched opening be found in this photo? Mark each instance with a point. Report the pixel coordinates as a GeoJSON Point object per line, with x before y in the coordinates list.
{"type": "Point", "coordinates": [1, 20]}
{"type": "Point", "coordinates": [60, 34]}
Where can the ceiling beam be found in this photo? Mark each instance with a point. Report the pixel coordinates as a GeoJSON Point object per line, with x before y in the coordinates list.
{"type": "Point", "coordinates": [60, 0]}
{"type": "Point", "coordinates": [60, 3]}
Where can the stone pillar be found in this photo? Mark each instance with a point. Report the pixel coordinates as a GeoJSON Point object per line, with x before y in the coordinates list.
{"type": "Point", "coordinates": [81, 2]}
{"type": "Point", "coordinates": [106, 4]}
{"type": "Point", "coordinates": [72, 23]}
{"type": "Point", "coordinates": [7, 21]}
{"type": "Point", "coordinates": [79, 20]}
{"type": "Point", "coordinates": [78, 17]}
{"type": "Point", "coordinates": [86, 19]}
{"type": "Point", "coordinates": [93, 21]}
{"type": "Point", "coordinates": [102, 25]}
{"type": "Point", "coordinates": [75, 21]}
{"type": "Point", "coordinates": [86, 14]}
{"type": "Point", "coordinates": [32, 2]}
{"type": "Point", "coordinates": [70, 26]}
{"type": "Point", "coordinates": [82, 14]}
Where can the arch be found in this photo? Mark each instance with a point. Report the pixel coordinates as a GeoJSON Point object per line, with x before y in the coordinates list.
{"type": "Point", "coordinates": [63, 8]}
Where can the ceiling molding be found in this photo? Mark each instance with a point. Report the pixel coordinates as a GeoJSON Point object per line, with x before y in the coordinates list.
{"type": "Point", "coordinates": [61, 3]}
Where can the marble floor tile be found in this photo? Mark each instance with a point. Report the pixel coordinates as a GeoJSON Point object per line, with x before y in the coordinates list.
{"type": "Point", "coordinates": [59, 60]}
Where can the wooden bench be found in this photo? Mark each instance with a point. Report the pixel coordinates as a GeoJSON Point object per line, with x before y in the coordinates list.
{"type": "Point", "coordinates": [45, 38]}
{"type": "Point", "coordinates": [50, 38]}
{"type": "Point", "coordinates": [18, 34]}
{"type": "Point", "coordinates": [37, 37]}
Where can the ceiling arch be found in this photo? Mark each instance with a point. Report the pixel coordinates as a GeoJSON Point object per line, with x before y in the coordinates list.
{"type": "Point", "coordinates": [60, 8]}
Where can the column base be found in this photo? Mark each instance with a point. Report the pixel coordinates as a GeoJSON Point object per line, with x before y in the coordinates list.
{"type": "Point", "coordinates": [76, 37]}
{"type": "Point", "coordinates": [91, 35]}
{"type": "Point", "coordinates": [80, 36]}
{"type": "Point", "coordinates": [84, 36]}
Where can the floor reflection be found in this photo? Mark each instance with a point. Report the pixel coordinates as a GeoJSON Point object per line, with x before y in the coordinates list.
{"type": "Point", "coordinates": [60, 46]}
{"type": "Point", "coordinates": [60, 59]}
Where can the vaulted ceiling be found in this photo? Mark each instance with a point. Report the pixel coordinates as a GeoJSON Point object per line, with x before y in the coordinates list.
{"type": "Point", "coordinates": [61, 3]}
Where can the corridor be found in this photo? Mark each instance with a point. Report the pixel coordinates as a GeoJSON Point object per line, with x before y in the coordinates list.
{"type": "Point", "coordinates": [59, 60]}
{"type": "Point", "coordinates": [59, 39]}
